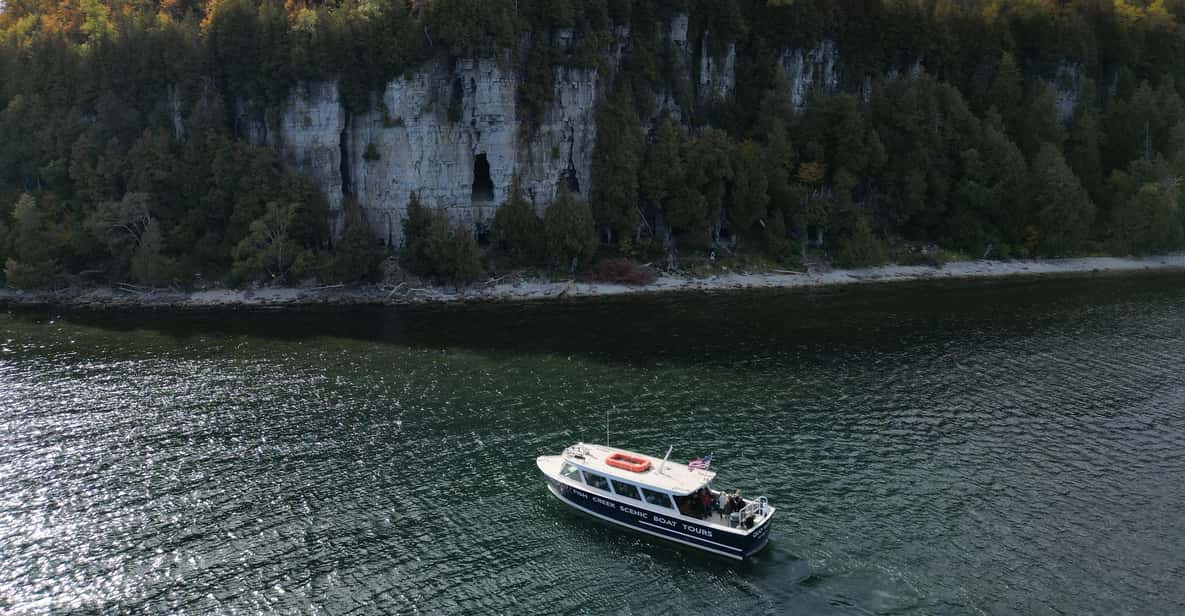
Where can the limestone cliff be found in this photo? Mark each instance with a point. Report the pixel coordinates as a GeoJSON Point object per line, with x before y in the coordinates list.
{"type": "Point", "coordinates": [452, 131]}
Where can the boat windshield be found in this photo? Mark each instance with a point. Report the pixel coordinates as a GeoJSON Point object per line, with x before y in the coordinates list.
{"type": "Point", "coordinates": [570, 471]}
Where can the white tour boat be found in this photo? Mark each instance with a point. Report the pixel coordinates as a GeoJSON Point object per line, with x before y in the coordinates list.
{"type": "Point", "coordinates": [658, 497]}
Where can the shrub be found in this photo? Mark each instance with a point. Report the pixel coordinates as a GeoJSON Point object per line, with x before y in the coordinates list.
{"type": "Point", "coordinates": [861, 248]}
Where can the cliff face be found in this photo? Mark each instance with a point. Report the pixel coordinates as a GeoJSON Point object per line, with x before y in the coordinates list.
{"type": "Point", "coordinates": [453, 134]}
{"type": "Point", "coordinates": [410, 144]}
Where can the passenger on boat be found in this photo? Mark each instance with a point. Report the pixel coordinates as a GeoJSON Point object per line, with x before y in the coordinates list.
{"type": "Point", "coordinates": [705, 499]}
{"type": "Point", "coordinates": [735, 502]}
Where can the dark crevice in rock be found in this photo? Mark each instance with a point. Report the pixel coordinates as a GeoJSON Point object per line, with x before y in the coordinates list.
{"type": "Point", "coordinates": [483, 183]}
{"type": "Point", "coordinates": [344, 148]}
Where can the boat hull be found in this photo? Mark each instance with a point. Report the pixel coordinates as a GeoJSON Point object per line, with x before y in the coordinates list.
{"type": "Point", "coordinates": [672, 528]}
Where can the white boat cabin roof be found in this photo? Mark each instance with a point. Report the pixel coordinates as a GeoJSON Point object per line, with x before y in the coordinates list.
{"type": "Point", "coordinates": [675, 478]}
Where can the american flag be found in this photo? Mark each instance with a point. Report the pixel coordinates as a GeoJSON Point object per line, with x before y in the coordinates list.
{"type": "Point", "coordinates": [701, 463]}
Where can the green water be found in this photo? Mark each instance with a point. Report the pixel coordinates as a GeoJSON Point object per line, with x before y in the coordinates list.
{"type": "Point", "coordinates": [969, 448]}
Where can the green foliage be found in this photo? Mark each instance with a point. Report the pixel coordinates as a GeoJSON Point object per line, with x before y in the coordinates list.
{"type": "Point", "coordinates": [1062, 211]}
{"type": "Point", "coordinates": [357, 256]}
{"type": "Point", "coordinates": [568, 228]}
{"type": "Point", "coordinates": [148, 266]}
{"type": "Point", "coordinates": [1148, 221]}
{"type": "Point", "coordinates": [861, 248]}
{"type": "Point", "coordinates": [269, 252]}
{"type": "Point", "coordinates": [749, 195]}
{"type": "Point", "coordinates": [616, 159]}
{"type": "Point", "coordinates": [30, 264]}
{"type": "Point", "coordinates": [462, 258]}
{"type": "Point", "coordinates": [136, 113]}
{"type": "Point", "coordinates": [518, 231]}
{"type": "Point", "coordinates": [434, 249]}
{"type": "Point", "coordinates": [420, 223]}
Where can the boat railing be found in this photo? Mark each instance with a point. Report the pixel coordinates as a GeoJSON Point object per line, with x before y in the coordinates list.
{"type": "Point", "coordinates": [757, 507]}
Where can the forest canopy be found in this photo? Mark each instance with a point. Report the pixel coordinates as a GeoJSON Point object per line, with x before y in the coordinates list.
{"type": "Point", "coordinates": [986, 127]}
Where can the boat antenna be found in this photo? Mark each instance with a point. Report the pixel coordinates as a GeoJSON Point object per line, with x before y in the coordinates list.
{"type": "Point", "coordinates": [664, 459]}
{"type": "Point", "coordinates": [606, 427]}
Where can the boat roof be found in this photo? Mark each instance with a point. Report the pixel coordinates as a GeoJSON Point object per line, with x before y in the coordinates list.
{"type": "Point", "coordinates": [675, 478]}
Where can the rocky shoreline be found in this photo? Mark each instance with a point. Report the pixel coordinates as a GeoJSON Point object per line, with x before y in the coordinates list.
{"type": "Point", "coordinates": [502, 290]}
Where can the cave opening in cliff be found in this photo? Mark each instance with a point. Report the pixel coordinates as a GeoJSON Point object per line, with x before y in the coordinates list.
{"type": "Point", "coordinates": [483, 184]}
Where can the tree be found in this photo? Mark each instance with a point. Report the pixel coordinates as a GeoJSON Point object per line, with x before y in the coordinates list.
{"type": "Point", "coordinates": [518, 231]}
{"type": "Point", "coordinates": [617, 156]}
{"type": "Point", "coordinates": [148, 265]}
{"type": "Point", "coordinates": [462, 260]}
{"type": "Point", "coordinates": [1148, 221]}
{"type": "Point", "coordinates": [1007, 91]}
{"type": "Point", "coordinates": [1063, 211]}
{"type": "Point", "coordinates": [357, 256]}
{"type": "Point", "coordinates": [662, 171]}
{"type": "Point", "coordinates": [269, 251]}
{"type": "Point", "coordinates": [708, 173]}
{"type": "Point", "coordinates": [749, 195]}
{"type": "Point", "coordinates": [861, 248]}
{"type": "Point", "coordinates": [418, 226]}
{"type": "Point", "coordinates": [120, 227]}
{"type": "Point", "coordinates": [1084, 152]}
{"type": "Point", "coordinates": [1039, 123]}
{"type": "Point", "coordinates": [29, 265]}
{"type": "Point", "coordinates": [571, 236]}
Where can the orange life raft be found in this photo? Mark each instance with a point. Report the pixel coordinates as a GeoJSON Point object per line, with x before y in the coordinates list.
{"type": "Point", "coordinates": [628, 462]}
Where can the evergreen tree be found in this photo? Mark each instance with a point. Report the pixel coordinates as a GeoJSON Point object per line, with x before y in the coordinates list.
{"type": "Point", "coordinates": [29, 265]}
{"type": "Point", "coordinates": [616, 159]}
{"type": "Point", "coordinates": [357, 256]}
{"type": "Point", "coordinates": [749, 195]}
{"type": "Point", "coordinates": [1063, 212]}
{"type": "Point", "coordinates": [860, 247]}
{"type": "Point", "coordinates": [1007, 91]}
{"type": "Point", "coordinates": [1084, 152]}
{"type": "Point", "coordinates": [518, 231]}
{"type": "Point", "coordinates": [709, 171]}
{"type": "Point", "coordinates": [1147, 222]}
{"type": "Point", "coordinates": [418, 226]}
{"type": "Point", "coordinates": [463, 260]}
{"type": "Point", "coordinates": [662, 174]}
{"type": "Point", "coordinates": [1039, 123]}
{"type": "Point", "coordinates": [568, 226]}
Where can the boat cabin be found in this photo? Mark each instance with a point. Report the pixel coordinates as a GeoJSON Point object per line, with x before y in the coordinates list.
{"type": "Point", "coordinates": [685, 491]}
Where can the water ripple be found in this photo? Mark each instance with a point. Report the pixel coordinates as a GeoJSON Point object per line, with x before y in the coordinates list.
{"type": "Point", "coordinates": [930, 453]}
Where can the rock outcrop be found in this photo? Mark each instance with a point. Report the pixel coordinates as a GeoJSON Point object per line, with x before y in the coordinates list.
{"type": "Point", "coordinates": [409, 143]}
{"type": "Point", "coordinates": [452, 133]}
{"type": "Point", "coordinates": [813, 68]}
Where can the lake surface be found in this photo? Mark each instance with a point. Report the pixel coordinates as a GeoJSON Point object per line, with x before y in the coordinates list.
{"type": "Point", "coordinates": [965, 448]}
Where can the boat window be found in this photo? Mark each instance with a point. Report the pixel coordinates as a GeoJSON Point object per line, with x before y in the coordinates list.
{"type": "Point", "coordinates": [569, 471]}
{"type": "Point", "coordinates": [657, 498]}
{"type": "Point", "coordinates": [627, 490]}
{"type": "Point", "coordinates": [596, 481]}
